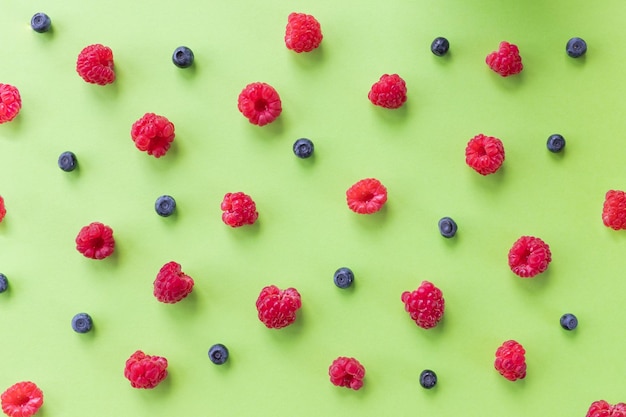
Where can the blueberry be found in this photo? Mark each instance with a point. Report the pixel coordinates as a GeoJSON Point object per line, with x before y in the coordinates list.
{"type": "Point", "coordinates": [218, 354]}
{"type": "Point", "coordinates": [447, 227]}
{"type": "Point", "coordinates": [569, 321]}
{"type": "Point", "coordinates": [182, 57]}
{"type": "Point", "coordinates": [440, 46]}
{"type": "Point", "coordinates": [165, 205]}
{"type": "Point", "coordinates": [576, 47]}
{"type": "Point", "coordinates": [82, 323]}
{"type": "Point", "coordinates": [4, 283]}
{"type": "Point", "coordinates": [40, 22]}
{"type": "Point", "coordinates": [344, 277]}
{"type": "Point", "coordinates": [428, 379]}
{"type": "Point", "coordinates": [303, 148]}
{"type": "Point", "coordinates": [556, 143]}
{"type": "Point", "coordinates": [67, 161]}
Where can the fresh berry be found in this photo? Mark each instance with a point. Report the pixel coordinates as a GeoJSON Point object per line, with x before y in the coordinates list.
{"type": "Point", "coordinates": [3, 210]}
{"type": "Point", "coordinates": [95, 241]}
{"type": "Point", "coordinates": [82, 323]}
{"type": "Point", "coordinates": [260, 103]}
{"type": "Point", "coordinates": [604, 409]}
{"type": "Point", "coordinates": [428, 379]}
{"type": "Point", "coordinates": [447, 227]}
{"type": "Point", "coordinates": [4, 283]}
{"type": "Point", "coordinates": [172, 284]}
{"type": "Point", "coordinates": [576, 47]}
{"type": "Point", "coordinates": [484, 154]}
{"type": "Point", "coordinates": [10, 102]}
{"type": "Point", "coordinates": [556, 143]}
{"type": "Point", "coordinates": [510, 360]}
{"type": "Point", "coordinates": [22, 399]}
{"type": "Point", "coordinates": [40, 22]}
{"type": "Point", "coordinates": [343, 278]}
{"type": "Point", "coordinates": [529, 256]}
{"type": "Point", "coordinates": [277, 308]}
{"type": "Point", "coordinates": [366, 196]}
{"type": "Point", "coordinates": [218, 354]}
{"type": "Point", "coordinates": [440, 46]}
{"type": "Point", "coordinates": [153, 134]}
{"type": "Point", "coordinates": [303, 148]}
{"type": "Point", "coordinates": [614, 210]}
{"type": "Point", "coordinates": [182, 57]}
{"type": "Point", "coordinates": [303, 33]}
{"type": "Point", "coordinates": [145, 371]}
{"type": "Point", "coordinates": [388, 92]}
{"type": "Point", "coordinates": [238, 209]}
{"type": "Point", "coordinates": [165, 205]}
{"type": "Point", "coordinates": [506, 60]}
{"type": "Point", "coordinates": [425, 305]}
{"type": "Point", "coordinates": [569, 321]}
{"type": "Point", "coordinates": [95, 64]}
{"type": "Point", "coordinates": [67, 161]}
{"type": "Point", "coordinates": [346, 372]}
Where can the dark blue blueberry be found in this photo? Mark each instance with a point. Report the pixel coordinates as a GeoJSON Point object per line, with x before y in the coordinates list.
{"type": "Point", "coordinates": [67, 161]}
{"type": "Point", "coordinates": [82, 323]}
{"type": "Point", "coordinates": [569, 321]}
{"type": "Point", "coordinates": [218, 354]}
{"type": "Point", "coordinates": [440, 46]}
{"type": "Point", "coordinates": [447, 227]}
{"type": "Point", "coordinates": [303, 148]}
{"type": "Point", "coordinates": [344, 277]}
{"type": "Point", "coordinates": [4, 283]}
{"type": "Point", "coordinates": [556, 143]}
{"type": "Point", "coordinates": [182, 57]}
{"type": "Point", "coordinates": [40, 22]}
{"type": "Point", "coordinates": [165, 205]}
{"type": "Point", "coordinates": [428, 379]}
{"type": "Point", "coordinates": [576, 47]}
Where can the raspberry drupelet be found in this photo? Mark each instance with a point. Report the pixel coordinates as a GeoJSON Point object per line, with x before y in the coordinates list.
{"type": "Point", "coordinates": [10, 102]}
{"type": "Point", "coordinates": [22, 399]}
{"type": "Point", "coordinates": [3, 209]}
{"type": "Point", "coordinates": [366, 196]}
{"type": "Point", "coordinates": [602, 408]}
{"type": "Point", "coordinates": [238, 209]}
{"type": "Point", "coordinates": [95, 241]}
{"type": "Point", "coordinates": [506, 60]}
{"type": "Point", "coordinates": [425, 305]}
{"type": "Point", "coordinates": [95, 64]}
{"type": "Point", "coordinates": [259, 103]}
{"type": "Point", "coordinates": [172, 284]}
{"type": "Point", "coordinates": [614, 210]}
{"type": "Point", "coordinates": [347, 372]}
{"type": "Point", "coordinates": [484, 154]}
{"type": "Point", "coordinates": [510, 360]}
{"type": "Point", "coordinates": [529, 256]}
{"type": "Point", "coordinates": [277, 308]}
{"type": "Point", "coordinates": [153, 134]}
{"type": "Point", "coordinates": [145, 371]}
{"type": "Point", "coordinates": [388, 92]}
{"type": "Point", "coordinates": [303, 33]}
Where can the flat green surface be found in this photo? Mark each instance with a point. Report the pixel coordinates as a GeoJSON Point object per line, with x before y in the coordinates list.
{"type": "Point", "coordinates": [305, 230]}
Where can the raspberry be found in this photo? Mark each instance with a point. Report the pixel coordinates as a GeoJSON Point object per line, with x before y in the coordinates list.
{"type": "Point", "coordinates": [388, 92]}
{"type": "Point", "coordinates": [145, 371]}
{"type": "Point", "coordinates": [425, 305]}
{"type": "Point", "coordinates": [95, 241]}
{"type": "Point", "coordinates": [260, 103]}
{"type": "Point", "coordinates": [171, 284]}
{"type": "Point", "coordinates": [506, 60]}
{"type": "Point", "coordinates": [10, 102]}
{"type": "Point", "coordinates": [603, 409]}
{"type": "Point", "coordinates": [277, 308]}
{"type": "Point", "coordinates": [614, 210]}
{"type": "Point", "coordinates": [3, 210]}
{"type": "Point", "coordinates": [239, 209]}
{"type": "Point", "coordinates": [529, 256]}
{"type": "Point", "coordinates": [484, 154]}
{"type": "Point", "coordinates": [153, 134]}
{"type": "Point", "coordinates": [366, 196]}
{"type": "Point", "coordinates": [95, 64]}
{"type": "Point", "coordinates": [303, 33]}
{"type": "Point", "coordinates": [346, 372]}
{"type": "Point", "coordinates": [510, 361]}
{"type": "Point", "coordinates": [22, 399]}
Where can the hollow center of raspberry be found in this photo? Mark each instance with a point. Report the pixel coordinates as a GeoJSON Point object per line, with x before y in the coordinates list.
{"type": "Point", "coordinates": [366, 197]}
{"type": "Point", "coordinates": [260, 105]}
{"type": "Point", "coordinates": [21, 400]}
{"type": "Point", "coordinates": [97, 242]}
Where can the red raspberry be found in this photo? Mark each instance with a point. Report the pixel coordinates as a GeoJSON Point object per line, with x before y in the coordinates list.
{"type": "Point", "coordinates": [260, 103]}
{"type": "Point", "coordinates": [529, 256]}
{"type": "Point", "coordinates": [506, 60]}
{"type": "Point", "coordinates": [510, 360]}
{"type": "Point", "coordinates": [171, 284]}
{"type": "Point", "coordinates": [95, 64]}
{"type": "Point", "coordinates": [22, 399]}
{"type": "Point", "coordinates": [239, 209]}
{"type": "Point", "coordinates": [277, 308]}
{"type": "Point", "coordinates": [153, 134]}
{"type": "Point", "coordinates": [485, 154]}
{"type": "Point", "coordinates": [366, 196]}
{"type": "Point", "coordinates": [10, 102]}
{"type": "Point", "coordinates": [388, 92]}
{"type": "Point", "coordinates": [346, 372]}
{"type": "Point", "coordinates": [3, 210]}
{"type": "Point", "coordinates": [95, 241]}
{"type": "Point", "coordinates": [145, 371]}
{"type": "Point", "coordinates": [303, 33]}
{"type": "Point", "coordinates": [425, 305]}
{"type": "Point", "coordinates": [614, 210]}
{"type": "Point", "coordinates": [603, 409]}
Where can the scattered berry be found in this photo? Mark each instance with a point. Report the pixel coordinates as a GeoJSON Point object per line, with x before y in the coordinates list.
{"type": "Point", "coordinates": [165, 205]}
{"type": "Point", "coordinates": [529, 256]}
{"type": "Point", "coordinates": [238, 209]}
{"type": "Point", "coordinates": [3, 210]}
{"type": "Point", "coordinates": [145, 371]}
{"type": "Point", "coordinates": [218, 354]}
{"type": "Point", "coordinates": [67, 161]}
{"type": "Point", "coordinates": [576, 47]}
{"type": "Point", "coordinates": [556, 143]}
{"type": "Point", "coordinates": [428, 379]}
{"type": "Point", "coordinates": [569, 322]}
{"type": "Point", "coordinates": [604, 409]}
{"type": "Point", "coordinates": [343, 278]}
{"type": "Point", "coordinates": [22, 399]}
{"type": "Point", "coordinates": [303, 33]}
{"type": "Point", "coordinates": [153, 134]}
{"type": "Point", "coordinates": [346, 372]}
{"type": "Point", "coordinates": [388, 92]}
{"type": "Point", "coordinates": [260, 103]}
{"type": "Point", "coordinates": [510, 360]}
{"type": "Point", "coordinates": [10, 102]}
{"type": "Point", "coordinates": [366, 196]}
{"type": "Point", "coordinates": [484, 154]}
{"type": "Point", "coordinates": [506, 60]}
{"type": "Point", "coordinates": [614, 210]}
{"type": "Point", "coordinates": [425, 305]}
{"type": "Point", "coordinates": [82, 323]}
{"type": "Point", "coordinates": [303, 148]}
{"type": "Point", "coordinates": [95, 64]}
{"type": "Point", "coordinates": [40, 22]}
{"type": "Point", "coordinates": [277, 308]}
{"type": "Point", "coordinates": [182, 57]}
{"type": "Point", "coordinates": [4, 283]}
{"type": "Point", "coordinates": [171, 284]}
{"type": "Point", "coordinates": [447, 227]}
{"type": "Point", "coordinates": [95, 241]}
{"type": "Point", "coordinates": [440, 46]}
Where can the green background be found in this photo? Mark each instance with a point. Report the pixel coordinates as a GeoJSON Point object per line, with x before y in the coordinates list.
{"type": "Point", "coordinates": [305, 230]}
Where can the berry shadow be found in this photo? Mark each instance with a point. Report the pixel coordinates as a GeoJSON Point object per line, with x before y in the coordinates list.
{"type": "Point", "coordinates": [187, 73]}
{"type": "Point", "coordinates": [46, 37]}
{"type": "Point", "coordinates": [490, 181]}
{"type": "Point", "coordinates": [392, 116]}
{"type": "Point", "coordinates": [185, 308]}
{"type": "Point", "coordinates": [510, 83]}
{"type": "Point", "coordinates": [533, 285]}
{"type": "Point", "coordinates": [13, 128]}
{"type": "Point", "coordinates": [373, 221]}
{"type": "Point", "coordinates": [271, 130]}
{"type": "Point", "coordinates": [309, 59]}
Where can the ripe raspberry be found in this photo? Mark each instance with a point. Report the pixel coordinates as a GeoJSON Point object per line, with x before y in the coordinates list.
{"type": "Point", "coordinates": [3, 210]}
{"type": "Point", "coordinates": [10, 102]}
{"type": "Point", "coordinates": [388, 92]}
{"type": "Point", "coordinates": [425, 305]}
{"type": "Point", "coordinates": [346, 372]}
{"type": "Point", "coordinates": [277, 308]}
{"type": "Point", "coordinates": [171, 284]}
{"type": "Point", "coordinates": [239, 209]}
{"type": "Point", "coordinates": [510, 360]}
{"type": "Point", "coordinates": [506, 60]}
{"type": "Point", "coordinates": [153, 134]}
{"type": "Point", "coordinates": [22, 399]}
{"type": "Point", "coordinates": [484, 154]}
{"type": "Point", "coordinates": [614, 210]}
{"type": "Point", "coordinates": [260, 103]}
{"type": "Point", "coordinates": [95, 241]}
{"type": "Point", "coordinates": [366, 196]}
{"type": "Point", "coordinates": [303, 33]}
{"type": "Point", "coordinates": [603, 409]}
{"type": "Point", "coordinates": [529, 256]}
{"type": "Point", "coordinates": [145, 371]}
{"type": "Point", "coordinates": [95, 64]}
